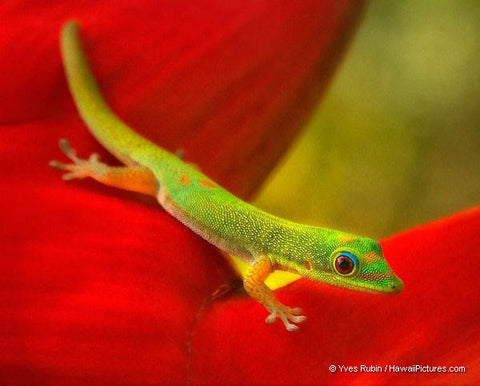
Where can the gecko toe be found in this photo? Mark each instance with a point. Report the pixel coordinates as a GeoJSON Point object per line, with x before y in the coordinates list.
{"type": "Point", "coordinates": [79, 168]}
{"type": "Point", "coordinates": [94, 157]}
{"type": "Point", "coordinates": [57, 165]}
{"type": "Point", "coordinates": [289, 316]}
{"type": "Point", "coordinates": [68, 150]}
{"type": "Point", "coordinates": [298, 318]}
{"type": "Point", "coordinates": [69, 176]}
{"type": "Point", "coordinates": [289, 326]}
{"type": "Point", "coordinates": [295, 310]}
{"type": "Point", "coordinates": [271, 318]}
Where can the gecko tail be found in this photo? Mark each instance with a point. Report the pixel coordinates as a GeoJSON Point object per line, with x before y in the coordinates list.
{"type": "Point", "coordinates": [116, 136]}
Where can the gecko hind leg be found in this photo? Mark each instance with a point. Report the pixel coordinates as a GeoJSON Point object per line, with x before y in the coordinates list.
{"type": "Point", "coordinates": [134, 178]}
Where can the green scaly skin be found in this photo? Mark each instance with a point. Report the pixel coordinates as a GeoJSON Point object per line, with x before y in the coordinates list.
{"type": "Point", "coordinates": [231, 224]}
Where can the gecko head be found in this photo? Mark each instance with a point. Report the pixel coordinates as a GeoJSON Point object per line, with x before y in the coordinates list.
{"type": "Point", "coordinates": [357, 264]}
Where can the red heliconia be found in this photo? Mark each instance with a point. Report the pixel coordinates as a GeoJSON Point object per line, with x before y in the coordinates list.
{"type": "Point", "coordinates": [99, 286]}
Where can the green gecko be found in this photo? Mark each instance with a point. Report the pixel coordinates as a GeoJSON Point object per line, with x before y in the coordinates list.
{"type": "Point", "coordinates": [265, 241]}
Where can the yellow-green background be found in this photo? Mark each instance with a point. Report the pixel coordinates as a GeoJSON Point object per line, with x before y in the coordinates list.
{"type": "Point", "coordinates": [396, 140]}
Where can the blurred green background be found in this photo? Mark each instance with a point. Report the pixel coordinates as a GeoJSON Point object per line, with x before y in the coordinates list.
{"type": "Point", "coordinates": [396, 140]}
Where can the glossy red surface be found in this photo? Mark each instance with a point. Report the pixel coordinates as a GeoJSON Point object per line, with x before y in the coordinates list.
{"type": "Point", "coordinates": [100, 286]}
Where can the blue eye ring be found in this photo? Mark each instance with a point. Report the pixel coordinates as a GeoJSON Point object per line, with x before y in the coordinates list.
{"type": "Point", "coordinates": [345, 263]}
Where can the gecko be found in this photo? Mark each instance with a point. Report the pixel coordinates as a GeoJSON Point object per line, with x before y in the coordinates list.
{"type": "Point", "coordinates": [266, 242]}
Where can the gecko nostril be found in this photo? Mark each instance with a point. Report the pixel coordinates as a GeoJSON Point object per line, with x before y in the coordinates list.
{"type": "Point", "coordinates": [396, 287]}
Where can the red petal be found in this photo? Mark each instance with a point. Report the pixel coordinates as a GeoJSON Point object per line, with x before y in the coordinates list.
{"type": "Point", "coordinates": [231, 83]}
{"type": "Point", "coordinates": [95, 286]}
{"type": "Point", "coordinates": [98, 298]}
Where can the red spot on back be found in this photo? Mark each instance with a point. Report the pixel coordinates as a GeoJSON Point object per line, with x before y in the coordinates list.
{"type": "Point", "coordinates": [207, 184]}
{"type": "Point", "coordinates": [184, 180]}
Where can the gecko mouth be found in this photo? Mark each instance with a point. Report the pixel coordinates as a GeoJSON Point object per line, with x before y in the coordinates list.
{"type": "Point", "coordinates": [393, 287]}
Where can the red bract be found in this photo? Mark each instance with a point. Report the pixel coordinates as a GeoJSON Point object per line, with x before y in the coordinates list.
{"type": "Point", "coordinates": [101, 286]}
{"type": "Point", "coordinates": [229, 82]}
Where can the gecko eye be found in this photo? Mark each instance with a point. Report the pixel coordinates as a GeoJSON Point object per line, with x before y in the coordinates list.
{"type": "Point", "coordinates": [345, 263]}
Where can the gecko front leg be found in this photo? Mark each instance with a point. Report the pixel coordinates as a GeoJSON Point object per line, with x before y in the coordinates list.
{"type": "Point", "coordinates": [134, 178]}
{"type": "Point", "coordinates": [254, 284]}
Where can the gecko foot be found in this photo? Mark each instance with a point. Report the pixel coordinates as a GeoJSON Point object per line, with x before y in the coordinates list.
{"type": "Point", "coordinates": [80, 168]}
{"type": "Point", "coordinates": [286, 315]}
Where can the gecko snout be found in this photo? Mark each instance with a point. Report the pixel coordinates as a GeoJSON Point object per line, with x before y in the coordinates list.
{"type": "Point", "coordinates": [396, 286]}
